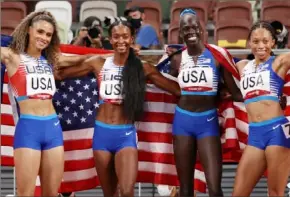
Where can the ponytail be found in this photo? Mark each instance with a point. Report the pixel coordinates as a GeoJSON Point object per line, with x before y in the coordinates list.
{"type": "Point", "coordinates": [133, 79]}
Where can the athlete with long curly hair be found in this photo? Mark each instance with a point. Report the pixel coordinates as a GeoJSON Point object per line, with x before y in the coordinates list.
{"type": "Point", "coordinates": [38, 139]}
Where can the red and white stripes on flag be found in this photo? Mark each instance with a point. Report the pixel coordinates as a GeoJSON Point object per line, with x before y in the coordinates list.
{"type": "Point", "coordinates": [7, 125]}
{"type": "Point", "coordinates": [156, 161]}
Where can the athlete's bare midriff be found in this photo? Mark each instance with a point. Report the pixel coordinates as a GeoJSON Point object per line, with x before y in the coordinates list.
{"type": "Point", "coordinates": [263, 110]}
{"type": "Point", "coordinates": [197, 103]}
{"type": "Point", "coordinates": [36, 107]}
{"type": "Point", "coordinates": [111, 114]}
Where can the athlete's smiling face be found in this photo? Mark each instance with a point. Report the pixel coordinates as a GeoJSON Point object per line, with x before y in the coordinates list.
{"type": "Point", "coordinates": [261, 43]}
{"type": "Point", "coordinates": [190, 29]}
{"type": "Point", "coordinates": [40, 34]}
{"type": "Point", "coordinates": [121, 38]}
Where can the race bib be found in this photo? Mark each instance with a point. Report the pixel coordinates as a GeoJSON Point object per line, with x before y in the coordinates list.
{"type": "Point", "coordinates": [255, 84]}
{"type": "Point", "coordinates": [111, 90]}
{"type": "Point", "coordinates": [40, 84]}
{"type": "Point", "coordinates": [196, 79]}
{"type": "Point", "coordinates": [286, 129]}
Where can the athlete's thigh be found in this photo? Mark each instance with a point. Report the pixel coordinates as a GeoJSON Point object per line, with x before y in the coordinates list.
{"type": "Point", "coordinates": [104, 163]}
{"type": "Point", "coordinates": [51, 170]}
{"type": "Point", "coordinates": [250, 169]}
{"type": "Point", "coordinates": [126, 165]}
{"type": "Point", "coordinates": [27, 162]}
{"type": "Point", "coordinates": [210, 153]}
{"type": "Point", "coordinates": [185, 157]}
{"type": "Point", "coordinates": [278, 166]}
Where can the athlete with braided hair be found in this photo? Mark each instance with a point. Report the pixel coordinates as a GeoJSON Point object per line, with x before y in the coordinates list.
{"type": "Point", "coordinates": [122, 83]}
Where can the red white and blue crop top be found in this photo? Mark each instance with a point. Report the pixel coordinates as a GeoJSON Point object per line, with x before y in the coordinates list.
{"type": "Point", "coordinates": [198, 79]}
{"type": "Point", "coordinates": [33, 79]}
{"type": "Point", "coordinates": [260, 82]}
{"type": "Point", "coordinates": [110, 83]}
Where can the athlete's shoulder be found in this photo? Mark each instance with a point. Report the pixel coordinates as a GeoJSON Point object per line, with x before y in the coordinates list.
{"type": "Point", "coordinates": [242, 63]}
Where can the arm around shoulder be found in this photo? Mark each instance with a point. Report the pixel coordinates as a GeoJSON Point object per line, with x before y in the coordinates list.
{"type": "Point", "coordinates": [89, 65]}
{"type": "Point", "coordinates": [160, 81]}
{"type": "Point", "coordinates": [71, 60]}
{"type": "Point", "coordinates": [76, 60]}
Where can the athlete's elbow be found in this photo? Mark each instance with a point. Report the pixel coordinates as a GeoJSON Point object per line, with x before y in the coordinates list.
{"type": "Point", "coordinates": [174, 89]}
{"type": "Point", "coordinates": [58, 76]}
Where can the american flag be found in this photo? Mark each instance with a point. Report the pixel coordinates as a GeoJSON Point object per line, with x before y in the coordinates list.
{"type": "Point", "coordinates": [7, 122]}
{"type": "Point", "coordinates": [76, 103]}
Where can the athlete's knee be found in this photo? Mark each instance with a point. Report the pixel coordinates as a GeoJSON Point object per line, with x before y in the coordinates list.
{"type": "Point", "coordinates": [214, 179]}
{"type": "Point", "coordinates": [275, 191]}
{"type": "Point", "coordinates": [47, 192]}
{"type": "Point", "coordinates": [25, 191]}
{"type": "Point", "coordinates": [214, 187]}
{"type": "Point", "coordinates": [127, 190]}
{"type": "Point", "coordinates": [186, 190]}
{"type": "Point", "coordinates": [215, 191]}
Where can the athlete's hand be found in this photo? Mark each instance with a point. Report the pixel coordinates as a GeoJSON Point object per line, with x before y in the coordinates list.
{"type": "Point", "coordinates": [170, 50]}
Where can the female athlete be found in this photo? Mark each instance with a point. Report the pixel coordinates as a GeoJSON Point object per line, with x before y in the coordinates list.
{"type": "Point", "coordinates": [121, 80]}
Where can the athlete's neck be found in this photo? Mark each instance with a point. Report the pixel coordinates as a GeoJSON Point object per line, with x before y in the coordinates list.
{"type": "Point", "coordinates": [120, 59]}
{"type": "Point", "coordinates": [33, 52]}
{"type": "Point", "coordinates": [196, 50]}
{"type": "Point", "coordinates": [260, 61]}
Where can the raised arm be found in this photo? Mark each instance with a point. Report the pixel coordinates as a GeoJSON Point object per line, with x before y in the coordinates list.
{"type": "Point", "coordinates": [284, 60]}
{"type": "Point", "coordinates": [71, 72]}
{"type": "Point", "coordinates": [160, 81]}
{"type": "Point", "coordinates": [76, 60]}
{"type": "Point", "coordinates": [71, 60]}
{"type": "Point", "coordinates": [83, 69]}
